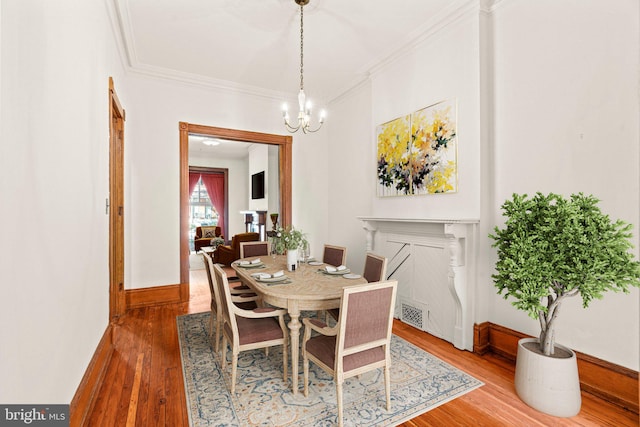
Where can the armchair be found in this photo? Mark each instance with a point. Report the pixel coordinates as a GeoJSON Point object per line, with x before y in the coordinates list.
{"type": "Point", "coordinates": [227, 254]}
{"type": "Point", "coordinates": [204, 235]}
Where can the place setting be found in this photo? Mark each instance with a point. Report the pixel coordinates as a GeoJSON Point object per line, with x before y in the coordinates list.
{"type": "Point", "coordinates": [277, 278]}
{"type": "Point", "coordinates": [340, 270]}
{"type": "Point", "coordinates": [255, 263]}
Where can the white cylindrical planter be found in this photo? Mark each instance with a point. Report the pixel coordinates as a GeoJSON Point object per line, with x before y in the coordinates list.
{"type": "Point", "coordinates": [292, 259]}
{"type": "Point", "coordinates": [548, 384]}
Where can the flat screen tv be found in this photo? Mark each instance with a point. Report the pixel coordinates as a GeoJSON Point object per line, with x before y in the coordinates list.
{"type": "Point", "coordinates": [257, 185]}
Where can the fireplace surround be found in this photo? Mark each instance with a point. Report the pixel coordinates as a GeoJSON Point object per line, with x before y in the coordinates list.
{"type": "Point", "coordinates": [434, 261]}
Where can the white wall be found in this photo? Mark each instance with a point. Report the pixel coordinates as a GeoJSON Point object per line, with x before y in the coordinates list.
{"type": "Point", "coordinates": [445, 66]}
{"type": "Point", "coordinates": [567, 120]}
{"type": "Point", "coordinates": [351, 173]}
{"type": "Point", "coordinates": [547, 97]}
{"type": "Point", "coordinates": [154, 109]}
{"type": "Point", "coordinates": [56, 59]}
{"type": "Point", "coordinates": [273, 183]}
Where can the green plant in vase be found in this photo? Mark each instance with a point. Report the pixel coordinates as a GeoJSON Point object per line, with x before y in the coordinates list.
{"type": "Point", "coordinates": [288, 238]}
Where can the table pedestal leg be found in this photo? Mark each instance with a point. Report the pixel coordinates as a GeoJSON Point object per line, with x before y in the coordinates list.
{"type": "Point", "coordinates": [294, 339]}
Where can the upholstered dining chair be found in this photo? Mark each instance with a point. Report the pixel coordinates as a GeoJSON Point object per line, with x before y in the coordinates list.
{"type": "Point", "coordinates": [375, 270]}
{"type": "Point", "coordinates": [334, 255]}
{"type": "Point", "coordinates": [262, 327]}
{"type": "Point", "coordinates": [249, 301]}
{"type": "Point", "coordinates": [360, 340]}
{"type": "Point", "coordinates": [249, 249]}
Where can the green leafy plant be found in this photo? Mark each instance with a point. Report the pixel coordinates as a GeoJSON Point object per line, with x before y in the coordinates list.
{"type": "Point", "coordinates": [288, 238]}
{"type": "Point", "coordinates": [552, 248]}
{"type": "Point", "coordinates": [217, 241]}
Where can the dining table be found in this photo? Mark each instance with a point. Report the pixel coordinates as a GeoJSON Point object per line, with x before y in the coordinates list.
{"type": "Point", "coordinates": [309, 288]}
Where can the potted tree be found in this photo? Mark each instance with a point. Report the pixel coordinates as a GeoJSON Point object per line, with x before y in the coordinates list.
{"type": "Point", "coordinates": [551, 249]}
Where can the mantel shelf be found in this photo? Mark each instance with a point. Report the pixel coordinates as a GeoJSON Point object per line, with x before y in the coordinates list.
{"type": "Point", "coordinates": [421, 220]}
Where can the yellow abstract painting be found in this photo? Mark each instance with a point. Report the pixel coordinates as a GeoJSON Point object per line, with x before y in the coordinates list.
{"type": "Point", "coordinates": [417, 153]}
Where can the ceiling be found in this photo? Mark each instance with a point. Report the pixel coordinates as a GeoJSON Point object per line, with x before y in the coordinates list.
{"type": "Point", "coordinates": [254, 45]}
{"type": "Point", "coordinates": [225, 149]}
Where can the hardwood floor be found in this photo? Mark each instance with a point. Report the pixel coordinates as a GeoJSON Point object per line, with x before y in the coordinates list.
{"type": "Point", "coordinates": [143, 385]}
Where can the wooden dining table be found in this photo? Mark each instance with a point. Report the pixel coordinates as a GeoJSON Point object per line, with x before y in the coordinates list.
{"type": "Point", "coordinates": [306, 289]}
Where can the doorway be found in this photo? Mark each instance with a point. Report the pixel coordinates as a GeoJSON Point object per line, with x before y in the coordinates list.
{"type": "Point", "coordinates": [284, 162]}
{"type": "Point", "coordinates": [115, 206]}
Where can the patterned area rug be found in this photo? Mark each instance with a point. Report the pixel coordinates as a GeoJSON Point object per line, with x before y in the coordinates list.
{"type": "Point", "coordinates": [419, 382]}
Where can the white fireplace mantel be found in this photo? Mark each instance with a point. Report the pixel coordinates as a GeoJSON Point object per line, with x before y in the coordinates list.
{"type": "Point", "coordinates": [445, 239]}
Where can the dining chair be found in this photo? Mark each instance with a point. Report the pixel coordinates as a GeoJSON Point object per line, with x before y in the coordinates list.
{"type": "Point", "coordinates": [375, 270]}
{"type": "Point", "coordinates": [249, 301]}
{"type": "Point", "coordinates": [334, 255]}
{"type": "Point", "coordinates": [249, 249]}
{"type": "Point", "coordinates": [262, 327]}
{"type": "Point", "coordinates": [360, 340]}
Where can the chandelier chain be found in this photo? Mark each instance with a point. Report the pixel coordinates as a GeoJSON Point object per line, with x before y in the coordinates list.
{"type": "Point", "coordinates": [301, 49]}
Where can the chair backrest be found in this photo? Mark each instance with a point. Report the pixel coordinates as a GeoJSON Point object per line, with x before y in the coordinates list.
{"type": "Point", "coordinates": [375, 268]}
{"type": "Point", "coordinates": [366, 318]}
{"type": "Point", "coordinates": [225, 298]}
{"type": "Point", "coordinates": [334, 255]}
{"type": "Point", "coordinates": [242, 237]}
{"type": "Point", "coordinates": [207, 259]}
{"type": "Point", "coordinates": [216, 300]}
{"type": "Point", "coordinates": [249, 249]}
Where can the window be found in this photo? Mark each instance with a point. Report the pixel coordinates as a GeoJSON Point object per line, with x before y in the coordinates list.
{"type": "Point", "coordinates": [201, 211]}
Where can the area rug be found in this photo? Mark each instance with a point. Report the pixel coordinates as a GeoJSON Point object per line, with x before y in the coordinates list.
{"type": "Point", "coordinates": [419, 382]}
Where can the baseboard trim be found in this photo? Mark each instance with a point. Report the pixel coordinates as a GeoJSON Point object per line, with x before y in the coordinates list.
{"type": "Point", "coordinates": [83, 399]}
{"type": "Point", "coordinates": [611, 382]}
{"type": "Point", "coordinates": [157, 295]}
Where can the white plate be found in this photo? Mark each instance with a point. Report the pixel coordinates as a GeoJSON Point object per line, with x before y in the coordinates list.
{"type": "Point", "coordinates": [338, 273]}
{"type": "Point", "coordinates": [352, 276]}
{"type": "Point", "coordinates": [314, 263]}
{"type": "Point", "coordinates": [272, 279]}
{"type": "Point", "coordinates": [256, 265]}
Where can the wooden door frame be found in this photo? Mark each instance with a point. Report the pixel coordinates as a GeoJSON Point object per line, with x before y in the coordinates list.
{"type": "Point", "coordinates": [284, 143]}
{"type": "Point", "coordinates": [117, 302]}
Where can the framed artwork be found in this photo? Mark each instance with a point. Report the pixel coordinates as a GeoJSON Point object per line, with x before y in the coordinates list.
{"type": "Point", "coordinates": [417, 153]}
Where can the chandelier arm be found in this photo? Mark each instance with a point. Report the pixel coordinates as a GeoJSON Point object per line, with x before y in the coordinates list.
{"type": "Point", "coordinates": [306, 129]}
{"type": "Point", "coordinates": [290, 128]}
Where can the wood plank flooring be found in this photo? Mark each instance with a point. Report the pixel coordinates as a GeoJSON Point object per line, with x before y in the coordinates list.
{"type": "Point", "coordinates": [143, 385]}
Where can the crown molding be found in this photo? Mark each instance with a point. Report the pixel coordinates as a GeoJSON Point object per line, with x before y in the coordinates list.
{"type": "Point", "coordinates": [123, 32]}
{"type": "Point", "coordinates": [447, 18]}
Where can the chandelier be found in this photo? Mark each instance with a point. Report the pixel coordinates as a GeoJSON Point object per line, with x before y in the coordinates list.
{"type": "Point", "coordinates": [304, 113]}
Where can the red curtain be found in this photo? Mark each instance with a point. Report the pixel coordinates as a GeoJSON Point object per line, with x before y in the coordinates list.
{"type": "Point", "coordinates": [193, 180]}
{"type": "Point", "coordinates": [214, 183]}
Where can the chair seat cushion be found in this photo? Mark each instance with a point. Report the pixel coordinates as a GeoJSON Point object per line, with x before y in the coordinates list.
{"type": "Point", "coordinates": [249, 305]}
{"type": "Point", "coordinates": [257, 330]}
{"type": "Point", "coordinates": [324, 348]}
